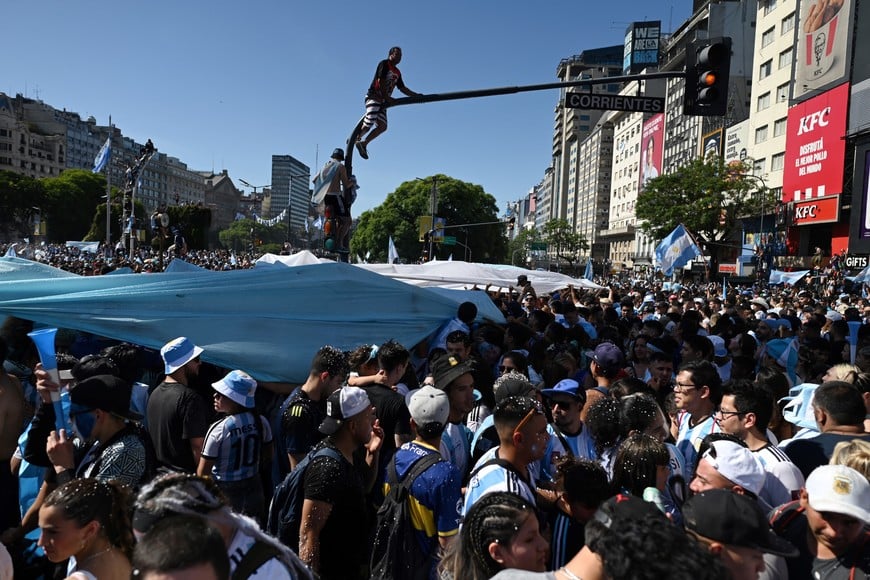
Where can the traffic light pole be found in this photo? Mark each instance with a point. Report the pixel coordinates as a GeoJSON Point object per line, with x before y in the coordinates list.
{"type": "Point", "coordinates": [433, 98]}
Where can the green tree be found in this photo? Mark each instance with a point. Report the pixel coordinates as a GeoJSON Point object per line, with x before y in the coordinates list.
{"type": "Point", "coordinates": [708, 196]}
{"type": "Point", "coordinates": [458, 202]}
{"type": "Point", "coordinates": [521, 245]}
{"type": "Point", "coordinates": [21, 197]}
{"type": "Point", "coordinates": [70, 202]}
{"type": "Point", "coordinates": [563, 241]}
{"type": "Point", "coordinates": [242, 233]}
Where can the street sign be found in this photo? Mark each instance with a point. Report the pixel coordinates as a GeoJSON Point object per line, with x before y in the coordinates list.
{"type": "Point", "coordinates": [606, 102]}
{"type": "Point", "coordinates": [538, 246]}
{"type": "Point", "coordinates": [449, 241]}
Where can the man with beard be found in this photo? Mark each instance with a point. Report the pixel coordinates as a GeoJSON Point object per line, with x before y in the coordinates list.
{"type": "Point", "coordinates": [178, 417]}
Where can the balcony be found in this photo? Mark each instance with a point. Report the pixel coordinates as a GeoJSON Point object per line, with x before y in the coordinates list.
{"type": "Point", "coordinates": [620, 232]}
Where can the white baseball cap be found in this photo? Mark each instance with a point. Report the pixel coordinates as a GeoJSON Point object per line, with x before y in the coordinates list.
{"type": "Point", "coordinates": [839, 489]}
{"type": "Point", "coordinates": [736, 464]}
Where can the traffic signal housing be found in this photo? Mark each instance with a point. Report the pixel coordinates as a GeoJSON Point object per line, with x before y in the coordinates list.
{"type": "Point", "coordinates": [330, 229]}
{"type": "Point", "coordinates": [708, 66]}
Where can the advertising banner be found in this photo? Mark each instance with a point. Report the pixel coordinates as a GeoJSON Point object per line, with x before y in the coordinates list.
{"type": "Point", "coordinates": [823, 45]}
{"type": "Point", "coordinates": [821, 210]}
{"type": "Point", "coordinates": [651, 148]}
{"type": "Point", "coordinates": [736, 142]}
{"type": "Point", "coordinates": [641, 47]}
{"type": "Point", "coordinates": [711, 144]}
{"type": "Point", "coordinates": [814, 146]}
{"type": "Point", "coordinates": [865, 203]}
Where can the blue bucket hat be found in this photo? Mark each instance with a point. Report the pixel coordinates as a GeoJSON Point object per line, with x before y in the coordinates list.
{"type": "Point", "coordinates": [177, 353]}
{"type": "Point", "coordinates": [237, 386]}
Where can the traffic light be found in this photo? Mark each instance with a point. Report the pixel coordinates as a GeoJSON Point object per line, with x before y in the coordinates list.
{"type": "Point", "coordinates": [330, 228]}
{"type": "Point", "coordinates": [708, 64]}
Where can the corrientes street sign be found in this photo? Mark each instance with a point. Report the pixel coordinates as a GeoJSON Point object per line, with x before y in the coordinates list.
{"type": "Point", "coordinates": [605, 102]}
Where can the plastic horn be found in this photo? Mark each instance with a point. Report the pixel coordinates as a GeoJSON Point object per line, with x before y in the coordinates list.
{"type": "Point", "coordinates": [854, 325]}
{"type": "Point", "coordinates": [44, 340]}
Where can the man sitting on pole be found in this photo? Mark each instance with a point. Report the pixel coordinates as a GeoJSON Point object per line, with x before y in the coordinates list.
{"type": "Point", "coordinates": [335, 190]}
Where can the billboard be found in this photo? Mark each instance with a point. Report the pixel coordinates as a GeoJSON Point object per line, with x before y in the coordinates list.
{"type": "Point", "coordinates": [823, 53]}
{"type": "Point", "coordinates": [737, 142]}
{"type": "Point", "coordinates": [814, 146]}
{"type": "Point", "coordinates": [651, 148]}
{"type": "Point", "coordinates": [864, 230]}
{"type": "Point", "coordinates": [712, 143]}
{"type": "Point", "coordinates": [641, 48]}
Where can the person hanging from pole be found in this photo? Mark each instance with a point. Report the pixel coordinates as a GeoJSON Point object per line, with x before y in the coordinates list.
{"type": "Point", "coordinates": [378, 98]}
{"type": "Point", "coordinates": [334, 189]}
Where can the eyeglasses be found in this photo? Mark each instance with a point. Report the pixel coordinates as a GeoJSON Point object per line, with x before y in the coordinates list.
{"type": "Point", "coordinates": [564, 403]}
{"type": "Point", "coordinates": [680, 387]}
{"type": "Point", "coordinates": [726, 414]}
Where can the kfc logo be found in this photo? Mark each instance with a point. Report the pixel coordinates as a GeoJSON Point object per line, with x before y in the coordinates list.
{"type": "Point", "coordinates": [813, 120]}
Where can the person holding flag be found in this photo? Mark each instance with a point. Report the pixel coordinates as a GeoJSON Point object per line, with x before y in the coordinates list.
{"type": "Point", "coordinates": [676, 250]}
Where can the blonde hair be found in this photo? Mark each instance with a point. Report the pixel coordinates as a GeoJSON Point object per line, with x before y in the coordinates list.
{"type": "Point", "coordinates": [844, 372]}
{"type": "Point", "coordinates": [854, 454]}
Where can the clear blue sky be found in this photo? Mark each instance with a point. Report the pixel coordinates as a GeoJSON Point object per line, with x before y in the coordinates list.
{"type": "Point", "coordinates": [226, 85]}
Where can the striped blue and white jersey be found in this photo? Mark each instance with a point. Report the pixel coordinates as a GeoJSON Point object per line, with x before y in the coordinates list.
{"type": "Point", "coordinates": [689, 437]}
{"type": "Point", "coordinates": [235, 444]}
{"type": "Point", "coordinates": [494, 477]}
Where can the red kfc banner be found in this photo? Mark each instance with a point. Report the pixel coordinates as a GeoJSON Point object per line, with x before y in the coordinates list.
{"type": "Point", "coordinates": [814, 147]}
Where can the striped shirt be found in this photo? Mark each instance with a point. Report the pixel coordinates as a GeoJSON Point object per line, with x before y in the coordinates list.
{"type": "Point", "coordinates": [784, 479]}
{"type": "Point", "coordinates": [494, 477]}
{"type": "Point", "coordinates": [689, 437]}
{"type": "Point", "coordinates": [235, 444]}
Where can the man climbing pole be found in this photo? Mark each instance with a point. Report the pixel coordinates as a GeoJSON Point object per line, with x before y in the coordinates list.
{"type": "Point", "coordinates": [334, 189]}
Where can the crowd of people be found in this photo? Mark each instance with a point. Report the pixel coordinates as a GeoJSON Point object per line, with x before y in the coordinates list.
{"type": "Point", "coordinates": [634, 432]}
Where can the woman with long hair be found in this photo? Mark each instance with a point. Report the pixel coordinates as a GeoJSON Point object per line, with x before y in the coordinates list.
{"type": "Point", "coordinates": [641, 462]}
{"type": "Point", "coordinates": [87, 522]}
{"type": "Point", "coordinates": [500, 531]}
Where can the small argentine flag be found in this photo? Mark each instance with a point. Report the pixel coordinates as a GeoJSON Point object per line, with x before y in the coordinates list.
{"type": "Point", "coordinates": [102, 158]}
{"type": "Point", "coordinates": [676, 250]}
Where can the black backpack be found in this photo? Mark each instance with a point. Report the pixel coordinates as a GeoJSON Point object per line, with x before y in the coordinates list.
{"type": "Point", "coordinates": [285, 511]}
{"type": "Point", "coordinates": [396, 553]}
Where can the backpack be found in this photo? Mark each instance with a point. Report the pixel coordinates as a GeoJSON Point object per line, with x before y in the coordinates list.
{"type": "Point", "coordinates": [285, 511]}
{"type": "Point", "coordinates": [396, 553]}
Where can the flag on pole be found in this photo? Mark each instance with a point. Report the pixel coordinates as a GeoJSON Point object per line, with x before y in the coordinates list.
{"type": "Point", "coordinates": [724, 289]}
{"type": "Point", "coordinates": [10, 252]}
{"type": "Point", "coordinates": [588, 273]}
{"type": "Point", "coordinates": [676, 250]}
{"type": "Point", "coordinates": [102, 158]}
{"type": "Point", "coordinates": [450, 257]}
{"type": "Point", "coordinates": [392, 254]}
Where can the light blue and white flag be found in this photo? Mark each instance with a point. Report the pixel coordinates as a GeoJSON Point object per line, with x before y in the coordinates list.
{"type": "Point", "coordinates": [787, 278]}
{"type": "Point", "coordinates": [102, 158]}
{"type": "Point", "coordinates": [724, 289]}
{"type": "Point", "coordinates": [676, 250]}
{"type": "Point", "coordinates": [10, 251]}
{"type": "Point", "coordinates": [233, 260]}
{"type": "Point", "coordinates": [588, 273]}
{"type": "Point", "coordinates": [392, 254]}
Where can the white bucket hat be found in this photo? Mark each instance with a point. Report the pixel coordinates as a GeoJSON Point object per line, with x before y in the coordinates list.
{"type": "Point", "coordinates": [177, 353]}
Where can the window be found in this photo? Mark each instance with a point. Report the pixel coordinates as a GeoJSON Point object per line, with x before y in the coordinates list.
{"type": "Point", "coordinates": [761, 134]}
{"type": "Point", "coordinates": [758, 167]}
{"type": "Point", "coordinates": [779, 127]}
{"type": "Point", "coordinates": [763, 101]}
{"type": "Point", "coordinates": [767, 36]}
{"type": "Point", "coordinates": [769, 6]}
{"type": "Point", "coordinates": [782, 93]}
{"type": "Point", "coordinates": [777, 162]}
{"type": "Point", "coordinates": [785, 58]}
{"type": "Point", "coordinates": [787, 24]}
{"type": "Point", "coordinates": [765, 69]}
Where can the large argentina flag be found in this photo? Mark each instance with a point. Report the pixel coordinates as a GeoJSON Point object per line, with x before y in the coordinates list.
{"type": "Point", "coordinates": [676, 250]}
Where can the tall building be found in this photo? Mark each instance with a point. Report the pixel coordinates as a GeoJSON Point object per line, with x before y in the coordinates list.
{"type": "Point", "coordinates": [572, 126]}
{"type": "Point", "coordinates": [290, 180]}
{"type": "Point", "coordinates": [589, 204]}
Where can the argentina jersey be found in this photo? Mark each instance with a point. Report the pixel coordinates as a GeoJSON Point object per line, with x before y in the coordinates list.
{"type": "Point", "coordinates": [235, 444]}
{"type": "Point", "coordinates": [689, 437]}
{"type": "Point", "coordinates": [494, 477]}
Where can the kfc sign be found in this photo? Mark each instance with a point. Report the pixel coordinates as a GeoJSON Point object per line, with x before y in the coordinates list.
{"type": "Point", "coordinates": [814, 147]}
{"type": "Point", "coordinates": [817, 211]}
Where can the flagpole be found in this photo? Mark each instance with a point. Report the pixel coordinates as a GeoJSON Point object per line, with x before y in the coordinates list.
{"type": "Point", "coordinates": [109, 194]}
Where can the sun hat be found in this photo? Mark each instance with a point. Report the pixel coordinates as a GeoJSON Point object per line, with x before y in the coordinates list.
{"type": "Point", "coordinates": [177, 353]}
{"type": "Point", "coordinates": [734, 519]}
{"type": "Point", "coordinates": [841, 490]}
{"type": "Point", "coordinates": [237, 386]}
{"type": "Point", "coordinates": [428, 405]}
{"type": "Point", "coordinates": [737, 464]}
{"type": "Point", "coordinates": [342, 405]}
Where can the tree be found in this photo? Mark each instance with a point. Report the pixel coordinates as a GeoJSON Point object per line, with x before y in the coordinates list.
{"type": "Point", "coordinates": [21, 197]}
{"type": "Point", "coordinates": [70, 202]}
{"type": "Point", "coordinates": [242, 233]}
{"type": "Point", "coordinates": [399, 216]}
{"type": "Point", "coordinates": [521, 245]}
{"type": "Point", "coordinates": [563, 241]}
{"type": "Point", "coordinates": [707, 196]}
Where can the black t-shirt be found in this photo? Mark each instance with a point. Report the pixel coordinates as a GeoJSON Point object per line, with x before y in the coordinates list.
{"type": "Point", "coordinates": [300, 421]}
{"type": "Point", "coordinates": [176, 414]}
{"type": "Point", "coordinates": [345, 537]}
{"type": "Point", "coordinates": [568, 538]}
{"type": "Point", "coordinates": [393, 414]}
{"type": "Point", "coordinates": [810, 453]}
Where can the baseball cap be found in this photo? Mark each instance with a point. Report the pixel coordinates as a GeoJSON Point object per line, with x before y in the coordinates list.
{"type": "Point", "coordinates": [177, 353]}
{"type": "Point", "coordinates": [237, 386]}
{"type": "Point", "coordinates": [564, 387]}
{"type": "Point", "coordinates": [448, 368]}
{"type": "Point", "coordinates": [105, 392]}
{"type": "Point", "coordinates": [512, 384]}
{"type": "Point", "coordinates": [839, 489]}
{"type": "Point", "coordinates": [608, 357]}
{"type": "Point", "coordinates": [730, 518]}
{"type": "Point", "coordinates": [718, 345]}
{"type": "Point", "coordinates": [428, 405]}
{"type": "Point", "coordinates": [736, 464]}
{"type": "Point", "coordinates": [342, 405]}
